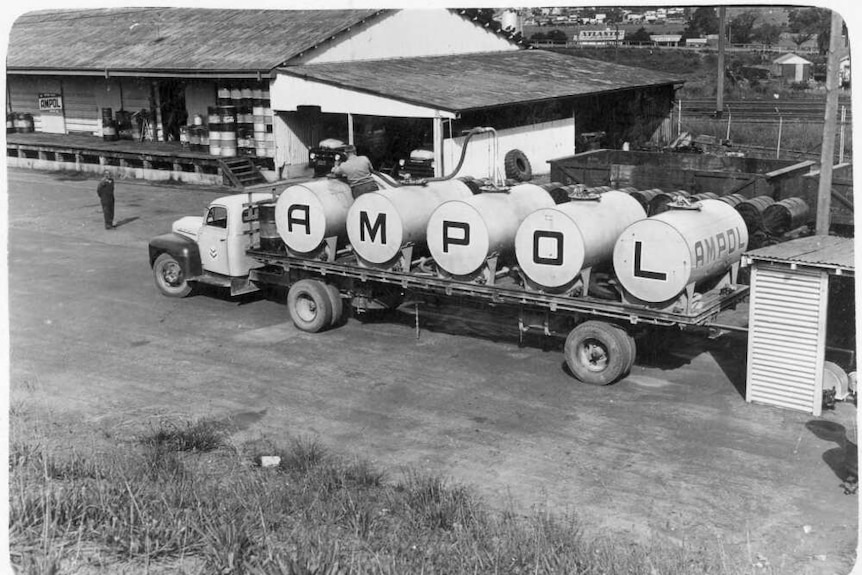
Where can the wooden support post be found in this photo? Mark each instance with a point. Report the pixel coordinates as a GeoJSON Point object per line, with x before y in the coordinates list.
{"type": "Point", "coordinates": [827, 156]}
{"type": "Point", "coordinates": [438, 146]}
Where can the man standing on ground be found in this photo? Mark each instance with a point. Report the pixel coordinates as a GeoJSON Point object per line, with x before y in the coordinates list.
{"type": "Point", "coordinates": [106, 196]}
{"type": "Point", "coordinates": [357, 170]}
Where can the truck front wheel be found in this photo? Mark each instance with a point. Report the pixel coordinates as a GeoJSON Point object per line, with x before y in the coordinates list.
{"type": "Point", "coordinates": [170, 277]}
{"type": "Point", "coordinates": [599, 353]}
{"type": "Point", "coordinates": [310, 305]}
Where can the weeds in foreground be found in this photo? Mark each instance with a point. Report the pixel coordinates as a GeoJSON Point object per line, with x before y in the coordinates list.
{"type": "Point", "coordinates": [310, 514]}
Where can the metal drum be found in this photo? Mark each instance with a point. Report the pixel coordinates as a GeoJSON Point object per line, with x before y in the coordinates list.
{"type": "Point", "coordinates": [554, 244]}
{"type": "Point", "coordinates": [227, 115]}
{"type": "Point", "coordinates": [380, 223]}
{"type": "Point", "coordinates": [732, 199]}
{"type": "Point", "coordinates": [644, 197]}
{"type": "Point", "coordinates": [306, 214]}
{"type": "Point", "coordinates": [269, 237]}
{"type": "Point", "coordinates": [752, 212]}
{"type": "Point", "coordinates": [661, 201]}
{"type": "Point", "coordinates": [462, 234]}
{"type": "Point", "coordinates": [657, 257]}
{"type": "Point", "coordinates": [781, 217]}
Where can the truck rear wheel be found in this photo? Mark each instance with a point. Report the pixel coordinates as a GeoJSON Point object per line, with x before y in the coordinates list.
{"type": "Point", "coordinates": [310, 305]}
{"type": "Point", "coordinates": [599, 353]}
{"type": "Point", "coordinates": [170, 277]}
{"type": "Point", "coordinates": [337, 303]}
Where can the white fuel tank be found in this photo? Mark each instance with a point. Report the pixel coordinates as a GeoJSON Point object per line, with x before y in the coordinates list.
{"type": "Point", "coordinates": [554, 244]}
{"type": "Point", "coordinates": [463, 233]}
{"type": "Point", "coordinates": [380, 223]}
{"type": "Point", "coordinates": [307, 213]}
{"type": "Point", "coordinates": [657, 257]}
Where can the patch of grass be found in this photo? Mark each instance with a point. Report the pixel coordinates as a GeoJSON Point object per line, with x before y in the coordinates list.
{"type": "Point", "coordinates": [161, 500]}
{"type": "Point", "coordinates": [202, 435]}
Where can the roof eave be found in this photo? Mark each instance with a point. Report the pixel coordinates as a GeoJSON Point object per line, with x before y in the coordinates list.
{"type": "Point", "coordinates": [152, 73]}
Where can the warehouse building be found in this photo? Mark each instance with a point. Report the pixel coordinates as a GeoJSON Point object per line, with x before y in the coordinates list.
{"type": "Point", "coordinates": [388, 81]}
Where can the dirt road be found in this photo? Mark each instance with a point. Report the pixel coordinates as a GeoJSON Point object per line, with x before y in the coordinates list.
{"type": "Point", "coordinates": [673, 451]}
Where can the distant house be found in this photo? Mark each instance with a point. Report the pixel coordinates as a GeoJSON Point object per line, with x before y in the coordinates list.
{"type": "Point", "coordinates": [792, 68]}
{"type": "Point", "coordinates": [666, 39]}
{"type": "Point", "coordinates": [695, 42]}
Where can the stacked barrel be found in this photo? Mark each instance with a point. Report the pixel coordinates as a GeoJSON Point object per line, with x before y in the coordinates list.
{"type": "Point", "coordinates": [264, 140]}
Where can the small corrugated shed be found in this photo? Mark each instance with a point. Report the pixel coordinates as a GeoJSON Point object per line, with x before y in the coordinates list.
{"type": "Point", "coordinates": [831, 253]}
{"type": "Point", "coordinates": [170, 40]}
{"type": "Point", "coordinates": [459, 83]}
{"type": "Point", "coordinates": [792, 67]}
{"type": "Point", "coordinates": [787, 319]}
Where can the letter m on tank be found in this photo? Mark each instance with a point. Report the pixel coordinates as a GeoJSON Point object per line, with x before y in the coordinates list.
{"type": "Point", "coordinates": [365, 226]}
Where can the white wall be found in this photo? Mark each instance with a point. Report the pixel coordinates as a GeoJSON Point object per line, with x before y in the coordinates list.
{"type": "Point", "coordinates": [539, 142]}
{"type": "Point", "coordinates": [287, 92]}
{"type": "Point", "coordinates": [411, 33]}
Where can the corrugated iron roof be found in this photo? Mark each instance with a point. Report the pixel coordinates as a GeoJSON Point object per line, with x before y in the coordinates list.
{"type": "Point", "coordinates": [170, 39]}
{"type": "Point", "coordinates": [464, 82]}
{"type": "Point", "coordinates": [817, 251]}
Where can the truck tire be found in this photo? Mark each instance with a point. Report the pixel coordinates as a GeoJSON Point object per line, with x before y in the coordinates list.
{"type": "Point", "coordinates": [517, 166]}
{"type": "Point", "coordinates": [310, 305]}
{"type": "Point", "coordinates": [170, 277]}
{"type": "Point", "coordinates": [337, 303]}
{"type": "Point", "coordinates": [599, 353]}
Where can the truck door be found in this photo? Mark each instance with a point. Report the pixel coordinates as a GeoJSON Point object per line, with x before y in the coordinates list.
{"type": "Point", "coordinates": [213, 241]}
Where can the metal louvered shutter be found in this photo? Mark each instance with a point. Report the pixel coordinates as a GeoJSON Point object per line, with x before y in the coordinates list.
{"type": "Point", "coordinates": [786, 337]}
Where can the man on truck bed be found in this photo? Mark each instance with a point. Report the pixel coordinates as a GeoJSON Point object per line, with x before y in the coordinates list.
{"type": "Point", "coordinates": [357, 170]}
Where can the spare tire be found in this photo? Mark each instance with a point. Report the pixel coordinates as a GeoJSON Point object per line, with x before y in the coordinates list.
{"type": "Point", "coordinates": [518, 166]}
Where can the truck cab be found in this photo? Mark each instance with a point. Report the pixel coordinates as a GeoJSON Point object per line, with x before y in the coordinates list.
{"type": "Point", "coordinates": [210, 248]}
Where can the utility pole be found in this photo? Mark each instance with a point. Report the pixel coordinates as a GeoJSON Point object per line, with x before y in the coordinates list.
{"type": "Point", "coordinates": [827, 154]}
{"type": "Point", "coordinates": [719, 87]}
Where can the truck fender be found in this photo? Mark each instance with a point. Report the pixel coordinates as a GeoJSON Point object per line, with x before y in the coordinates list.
{"type": "Point", "coordinates": [184, 250]}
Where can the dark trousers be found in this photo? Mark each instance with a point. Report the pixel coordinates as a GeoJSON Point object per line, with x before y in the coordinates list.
{"type": "Point", "coordinates": [108, 209]}
{"type": "Point", "coordinates": [360, 189]}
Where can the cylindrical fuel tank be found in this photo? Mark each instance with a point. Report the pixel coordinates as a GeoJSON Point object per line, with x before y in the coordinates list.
{"type": "Point", "coordinates": [463, 233]}
{"type": "Point", "coordinates": [380, 223]}
{"type": "Point", "coordinates": [657, 257]}
{"type": "Point", "coordinates": [554, 244]}
{"type": "Point", "coordinates": [307, 213]}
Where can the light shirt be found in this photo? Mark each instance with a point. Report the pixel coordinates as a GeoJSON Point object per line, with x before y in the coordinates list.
{"type": "Point", "coordinates": [357, 170]}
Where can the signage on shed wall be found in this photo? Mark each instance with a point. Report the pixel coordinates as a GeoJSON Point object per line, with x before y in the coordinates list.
{"type": "Point", "coordinates": [50, 102]}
